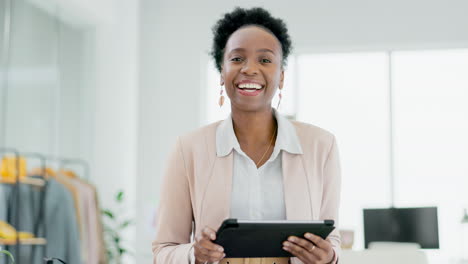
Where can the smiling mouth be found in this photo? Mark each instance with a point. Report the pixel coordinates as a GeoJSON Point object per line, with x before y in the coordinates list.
{"type": "Point", "coordinates": [249, 87]}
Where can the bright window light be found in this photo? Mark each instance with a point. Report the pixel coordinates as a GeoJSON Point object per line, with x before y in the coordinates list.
{"type": "Point", "coordinates": [347, 95]}
{"type": "Point", "coordinates": [431, 137]}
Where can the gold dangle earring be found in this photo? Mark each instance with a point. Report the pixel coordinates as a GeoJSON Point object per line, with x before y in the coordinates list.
{"type": "Point", "coordinates": [279, 101]}
{"type": "Point", "coordinates": [221, 97]}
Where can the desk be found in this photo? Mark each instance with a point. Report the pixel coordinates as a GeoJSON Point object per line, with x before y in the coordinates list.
{"type": "Point", "coordinates": [392, 256]}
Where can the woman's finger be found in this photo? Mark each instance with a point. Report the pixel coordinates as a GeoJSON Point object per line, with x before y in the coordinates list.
{"type": "Point", "coordinates": [209, 233]}
{"type": "Point", "coordinates": [216, 256]}
{"type": "Point", "coordinates": [208, 255]}
{"type": "Point", "coordinates": [308, 246]}
{"type": "Point", "coordinates": [205, 241]}
{"type": "Point", "coordinates": [318, 241]}
{"type": "Point", "coordinates": [303, 254]}
{"type": "Point", "coordinates": [322, 244]}
{"type": "Point", "coordinates": [203, 254]}
{"type": "Point", "coordinates": [205, 249]}
{"type": "Point", "coordinates": [211, 246]}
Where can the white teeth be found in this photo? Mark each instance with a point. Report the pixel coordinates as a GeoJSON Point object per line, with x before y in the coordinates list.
{"type": "Point", "coordinates": [250, 91]}
{"type": "Point", "coordinates": [250, 86]}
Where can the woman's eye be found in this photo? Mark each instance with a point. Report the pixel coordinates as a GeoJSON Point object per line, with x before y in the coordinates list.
{"type": "Point", "coordinates": [265, 61]}
{"type": "Point", "coordinates": [236, 59]}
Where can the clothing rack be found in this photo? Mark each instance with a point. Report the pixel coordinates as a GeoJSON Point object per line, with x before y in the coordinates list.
{"type": "Point", "coordinates": [40, 217]}
{"type": "Point", "coordinates": [16, 187]}
{"type": "Point", "coordinates": [37, 241]}
{"type": "Point", "coordinates": [38, 182]}
{"type": "Point", "coordinates": [63, 162]}
{"type": "Point", "coordinates": [81, 162]}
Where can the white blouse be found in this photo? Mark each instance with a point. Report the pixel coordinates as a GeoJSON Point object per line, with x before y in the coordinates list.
{"type": "Point", "coordinates": [257, 194]}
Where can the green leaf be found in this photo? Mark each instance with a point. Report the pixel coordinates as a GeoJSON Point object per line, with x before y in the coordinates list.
{"type": "Point", "coordinates": [120, 196]}
{"type": "Point", "coordinates": [117, 239]}
{"type": "Point", "coordinates": [122, 251]}
{"type": "Point", "coordinates": [125, 224]}
{"type": "Point", "coordinates": [8, 254]}
{"type": "Point", "coordinates": [108, 213]}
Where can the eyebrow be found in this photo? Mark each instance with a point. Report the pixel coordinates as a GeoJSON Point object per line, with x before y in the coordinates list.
{"type": "Point", "coordinates": [260, 50]}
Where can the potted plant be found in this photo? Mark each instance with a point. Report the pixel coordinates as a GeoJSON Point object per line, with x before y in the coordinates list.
{"type": "Point", "coordinates": [114, 225]}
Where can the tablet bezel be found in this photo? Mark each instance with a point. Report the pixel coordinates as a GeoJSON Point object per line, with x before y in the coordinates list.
{"type": "Point", "coordinates": [263, 229]}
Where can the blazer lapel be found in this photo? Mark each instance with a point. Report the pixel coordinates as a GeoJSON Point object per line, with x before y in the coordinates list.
{"type": "Point", "coordinates": [217, 201]}
{"type": "Point", "coordinates": [296, 188]}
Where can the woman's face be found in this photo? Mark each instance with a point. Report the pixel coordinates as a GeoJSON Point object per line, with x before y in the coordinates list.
{"type": "Point", "coordinates": [251, 69]}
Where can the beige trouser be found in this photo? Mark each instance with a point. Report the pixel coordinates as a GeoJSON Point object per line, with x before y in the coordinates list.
{"type": "Point", "coordinates": [254, 261]}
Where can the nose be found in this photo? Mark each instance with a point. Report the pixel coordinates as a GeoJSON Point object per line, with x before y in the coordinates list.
{"type": "Point", "coordinates": [249, 68]}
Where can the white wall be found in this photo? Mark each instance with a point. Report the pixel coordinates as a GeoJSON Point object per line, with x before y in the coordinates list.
{"type": "Point", "coordinates": [175, 37]}
{"type": "Point", "coordinates": [112, 41]}
{"type": "Point", "coordinates": [115, 116]}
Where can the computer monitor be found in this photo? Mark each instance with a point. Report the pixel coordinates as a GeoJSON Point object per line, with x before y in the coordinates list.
{"type": "Point", "coordinates": [411, 225]}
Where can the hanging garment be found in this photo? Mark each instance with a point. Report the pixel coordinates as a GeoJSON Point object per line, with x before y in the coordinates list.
{"type": "Point", "coordinates": [8, 169]}
{"type": "Point", "coordinates": [3, 207]}
{"type": "Point", "coordinates": [93, 221]}
{"type": "Point", "coordinates": [93, 248]}
{"type": "Point", "coordinates": [66, 182]}
{"type": "Point", "coordinates": [61, 230]}
{"type": "Point", "coordinates": [7, 231]}
{"type": "Point", "coordinates": [102, 249]}
{"type": "Point", "coordinates": [90, 220]}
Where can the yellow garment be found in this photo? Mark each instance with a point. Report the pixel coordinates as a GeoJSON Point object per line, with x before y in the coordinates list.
{"type": "Point", "coordinates": [50, 172]}
{"type": "Point", "coordinates": [40, 172]}
{"type": "Point", "coordinates": [9, 232]}
{"type": "Point", "coordinates": [8, 168]}
{"type": "Point", "coordinates": [68, 173]}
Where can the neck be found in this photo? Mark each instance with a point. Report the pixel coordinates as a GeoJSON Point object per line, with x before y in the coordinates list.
{"type": "Point", "coordinates": [254, 128]}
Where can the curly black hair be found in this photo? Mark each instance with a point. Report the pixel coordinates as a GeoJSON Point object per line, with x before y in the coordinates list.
{"type": "Point", "coordinates": [241, 17]}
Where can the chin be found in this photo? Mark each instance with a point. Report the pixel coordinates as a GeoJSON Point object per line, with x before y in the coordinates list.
{"type": "Point", "coordinates": [249, 107]}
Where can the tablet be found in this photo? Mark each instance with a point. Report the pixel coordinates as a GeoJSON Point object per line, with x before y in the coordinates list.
{"type": "Point", "coordinates": [264, 239]}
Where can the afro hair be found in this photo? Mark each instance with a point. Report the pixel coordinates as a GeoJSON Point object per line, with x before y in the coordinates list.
{"type": "Point", "coordinates": [241, 17]}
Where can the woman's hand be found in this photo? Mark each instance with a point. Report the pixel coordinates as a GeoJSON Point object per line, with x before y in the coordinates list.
{"type": "Point", "coordinates": [205, 250]}
{"type": "Point", "coordinates": [312, 250]}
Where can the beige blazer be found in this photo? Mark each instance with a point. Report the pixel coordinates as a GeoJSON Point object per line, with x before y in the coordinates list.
{"type": "Point", "coordinates": [197, 188]}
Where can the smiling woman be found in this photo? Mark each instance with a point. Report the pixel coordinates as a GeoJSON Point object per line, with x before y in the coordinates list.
{"type": "Point", "coordinates": [252, 67]}
{"type": "Point", "coordinates": [254, 165]}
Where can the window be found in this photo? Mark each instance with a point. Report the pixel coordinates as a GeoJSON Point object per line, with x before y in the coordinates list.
{"type": "Point", "coordinates": [347, 95]}
{"type": "Point", "coordinates": [431, 137]}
